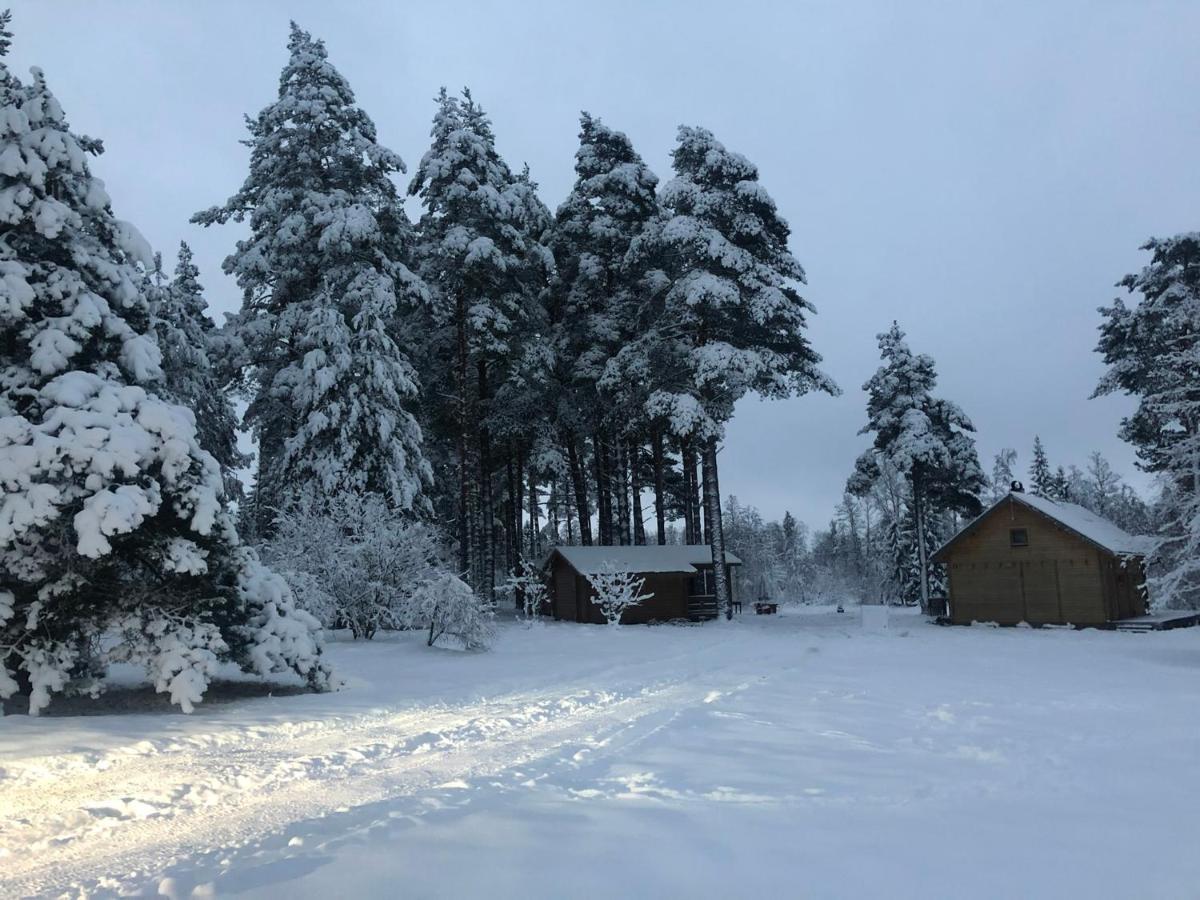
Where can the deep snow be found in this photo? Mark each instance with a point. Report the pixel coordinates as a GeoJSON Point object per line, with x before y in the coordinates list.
{"type": "Point", "coordinates": [796, 755]}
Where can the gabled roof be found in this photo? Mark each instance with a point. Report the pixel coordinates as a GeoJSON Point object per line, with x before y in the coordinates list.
{"type": "Point", "coordinates": [1084, 523]}
{"type": "Point", "coordinates": [681, 558]}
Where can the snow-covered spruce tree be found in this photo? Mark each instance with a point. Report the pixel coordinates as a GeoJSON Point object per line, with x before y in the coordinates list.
{"type": "Point", "coordinates": [1153, 353]}
{"type": "Point", "coordinates": [112, 516]}
{"type": "Point", "coordinates": [926, 439]}
{"type": "Point", "coordinates": [721, 314]}
{"type": "Point", "coordinates": [594, 307]}
{"type": "Point", "coordinates": [1041, 478]}
{"type": "Point", "coordinates": [324, 275]}
{"type": "Point", "coordinates": [486, 268]}
{"type": "Point", "coordinates": [185, 336]}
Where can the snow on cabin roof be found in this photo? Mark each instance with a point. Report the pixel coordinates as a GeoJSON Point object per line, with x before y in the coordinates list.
{"type": "Point", "coordinates": [684, 558]}
{"type": "Point", "coordinates": [1083, 522]}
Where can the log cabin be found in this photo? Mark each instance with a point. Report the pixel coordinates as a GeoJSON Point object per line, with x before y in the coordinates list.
{"type": "Point", "coordinates": [680, 576]}
{"type": "Point", "coordinates": [1042, 562]}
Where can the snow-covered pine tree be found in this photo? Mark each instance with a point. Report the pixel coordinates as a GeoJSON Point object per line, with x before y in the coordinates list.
{"type": "Point", "coordinates": [1041, 478]}
{"type": "Point", "coordinates": [594, 309]}
{"type": "Point", "coordinates": [1003, 474]}
{"type": "Point", "coordinates": [324, 277]}
{"type": "Point", "coordinates": [926, 439]}
{"type": "Point", "coordinates": [722, 314]}
{"type": "Point", "coordinates": [482, 257]}
{"type": "Point", "coordinates": [185, 336]}
{"type": "Point", "coordinates": [113, 516]}
{"type": "Point", "coordinates": [1153, 353]}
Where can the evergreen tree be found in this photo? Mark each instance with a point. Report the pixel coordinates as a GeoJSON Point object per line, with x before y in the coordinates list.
{"type": "Point", "coordinates": [482, 257]}
{"type": "Point", "coordinates": [186, 337]}
{"type": "Point", "coordinates": [113, 516]}
{"type": "Point", "coordinates": [1041, 479]}
{"type": "Point", "coordinates": [324, 277]}
{"type": "Point", "coordinates": [594, 308]}
{"type": "Point", "coordinates": [926, 439]}
{"type": "Point", "coordinates": [723, 314]}
{"type": "Point", "coordinates": [1002, 472]}
{"type": "Point", "coordinates": [1153, 353]}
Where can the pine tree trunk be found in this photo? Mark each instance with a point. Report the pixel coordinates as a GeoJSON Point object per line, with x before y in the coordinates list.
{"type": "Point", "coordinates": [660, 493]}
{"type": "Point", "coordinates": [486, 509]}
{"type": "Point", "coordinates": [512, 534]}
{"type": "Point", "coordinates": [567, 508]}
{"type": "Point", "coordinates": [518, 532]}
{"type": "Point", "coordinates": [639, 524]}
{"type": "Point", "coordinates": [919, 510]}
{"type": "Point", "coordinates": [691, 515]}
{"type": "Point", "coordinates": [579, 485]}
{"type": "Point", "coordinates": [704, 498]}
{"type": "Point", "coordinates": [603, 490]}
{"type": "Point", "coordinates": [622, 492]}
{"type": "Point", "coordinates": [712, 497]}
{"type": "Point", "coordinates": [464, 482]}
{"type": "Point", "coordinates": [534, 520]}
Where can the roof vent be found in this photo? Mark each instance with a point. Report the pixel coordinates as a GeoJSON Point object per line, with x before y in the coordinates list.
{"type": "Point", "coordinates": [1017, 487]}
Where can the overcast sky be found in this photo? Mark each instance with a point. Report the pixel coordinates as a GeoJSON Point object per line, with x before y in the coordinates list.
{"type": "Point", "coordinates": [983, 173]}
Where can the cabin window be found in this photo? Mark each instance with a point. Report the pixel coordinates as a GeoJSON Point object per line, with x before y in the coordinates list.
{"type": "Point", "coordinates": [1018, 537]}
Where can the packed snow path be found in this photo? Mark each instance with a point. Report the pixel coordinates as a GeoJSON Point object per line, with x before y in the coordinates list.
{"type": "Point", "coordinates": [795, 754]}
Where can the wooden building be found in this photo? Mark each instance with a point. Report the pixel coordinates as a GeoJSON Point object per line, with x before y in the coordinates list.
{"type": "Point", "coordinates": [1029, 559]}
{"type": "Point", "coordinates": [679, 576]}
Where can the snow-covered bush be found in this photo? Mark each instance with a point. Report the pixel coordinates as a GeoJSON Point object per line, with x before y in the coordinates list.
{"type": "Point", "coordinates": [452, 609]}
{"type": "Point", "coordinates": [527, 583]}
{"type": "Point", "coordinates": [353, 560]}
{"type": "Point", "coordinates": [111, 511]}
{"type": "Point", "coordinates": [616, 591]}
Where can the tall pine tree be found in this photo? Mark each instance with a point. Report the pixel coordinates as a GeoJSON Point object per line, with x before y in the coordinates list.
{"type": "Point", "coordinates": [482, 257]}
{"type": "Point", "coordinates": [926, 439]}
{"type": "Point", "coordinates": [113, 516]}
{"type": "Point", "coordinates": [723, 314]}
{"type": "Point", "coordinates": [594, 308]}
{"type": "Point", "coordinates": [324, 277]}
{"type": "Point", "coordinates": [1153, 353]}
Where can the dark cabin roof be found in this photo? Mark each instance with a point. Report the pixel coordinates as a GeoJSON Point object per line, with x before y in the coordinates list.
{"type": "Point", "coordinates": [1083, 523]}
{"type": "Point", "coordinates": [678, 558]}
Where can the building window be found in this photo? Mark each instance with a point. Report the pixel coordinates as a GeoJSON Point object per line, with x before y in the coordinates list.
{"type": "Point", "coordinates": [1018, 537]}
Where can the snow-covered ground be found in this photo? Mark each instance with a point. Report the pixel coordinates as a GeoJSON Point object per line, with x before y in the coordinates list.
{"type": "Point", "coordinates": [780, 756]}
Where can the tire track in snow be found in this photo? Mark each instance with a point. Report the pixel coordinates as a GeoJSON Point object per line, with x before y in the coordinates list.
{"type": "Point", "coordinates": [88, 828]}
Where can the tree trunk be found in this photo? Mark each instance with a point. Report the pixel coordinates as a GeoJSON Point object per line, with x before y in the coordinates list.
{"type": "Point", "coordinates": [704, 498]}
{"type": "Point", "coordinates": [579, 485]}
{"type": "Point", "coordinates": [518, 537]}
{"type": "Point", "coordinates": [534, 520]}
{"type": "Point", "coordinates": [603, 490]}
{"type": "Point", "coordinates": [486, 509]}
{"type": "Point", "coordinates": [691, 515]}
{"type": "Point", "coordinates": [512, 533]}
{"type": "Point", "coordinates": [567, 508]}
{"type": "Point", "coordinates": [464, 485]}
{"type": "Point", "coordinates": [622, 492]}
{"type": "Point", "coordinates": [660, 509]}
{"type": "Point", "coordinates": [712, 496]}
{"type": "Point", "coordinates": [919, 515]}
{"type": "Point", "coordinates": [635, 485]}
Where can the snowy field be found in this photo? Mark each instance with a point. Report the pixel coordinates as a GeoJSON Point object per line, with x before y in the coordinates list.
{"type": "Point", "coordinates": [778, 756]}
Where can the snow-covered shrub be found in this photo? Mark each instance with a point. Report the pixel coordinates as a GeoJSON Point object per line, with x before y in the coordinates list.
{"type": "Point", "coordinates": [111, 510]}
{"type": "Point", "coordinates": [527, 583]}
{"type": "Point", "coordinates": [616, 591]}
{"type": "Point", "coordinates": [353, 560]}
{"type": "Point", "coordinates": [452, 609]}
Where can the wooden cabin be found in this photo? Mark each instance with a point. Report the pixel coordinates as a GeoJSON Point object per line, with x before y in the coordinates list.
{"type": "Point", "coordinates": [1029, 559]}
{"type": "Point", "coordinates": [679, 576]}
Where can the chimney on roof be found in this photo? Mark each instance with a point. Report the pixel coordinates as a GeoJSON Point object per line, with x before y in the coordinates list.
{"type": "Point", "coordinates": [1017, 487]}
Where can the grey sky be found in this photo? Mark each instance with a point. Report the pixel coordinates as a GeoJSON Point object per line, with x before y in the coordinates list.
{"type": "Point", "coordinates": [982, 172]}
